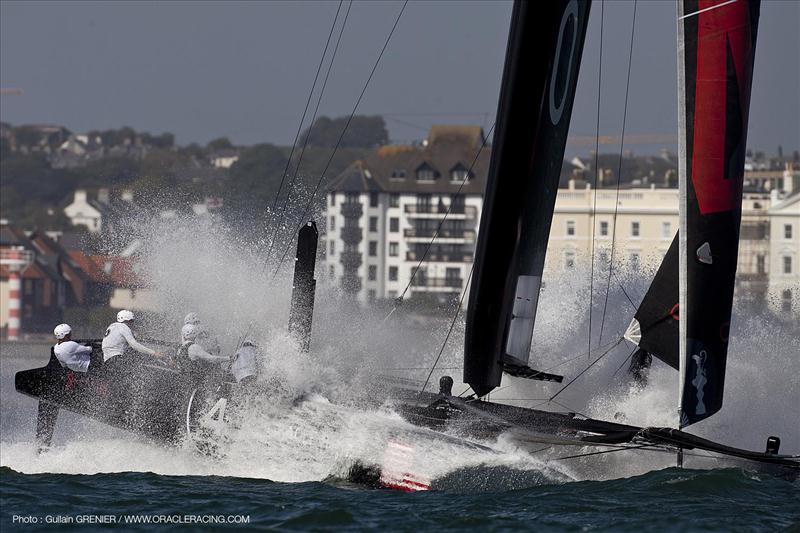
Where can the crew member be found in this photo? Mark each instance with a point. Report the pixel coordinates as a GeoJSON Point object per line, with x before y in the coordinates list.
{"type": "Point", "coordinates": [207, 341]}
{"type": "Point", "coordinates": [245, 363]}
{"type": "Point", "coordinates": [69, 353]}
{"type": "Point", "coordinates": [192, 355]}
{"type": "Point", "coordinates": [119, 338]}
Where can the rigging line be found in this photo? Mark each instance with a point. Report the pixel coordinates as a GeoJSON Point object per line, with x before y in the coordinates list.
{"type": "Point", "coordinates": [623, 449]}
{"type": "Point", "coordinates": [707, 9]}
{"type": "Point", "coordinates": [311, 125]}
{"type": "Point", "coordinates": [619, 174]}
{"type": "Point", "coordinates": [452, 325]}
{"type": "Point", "coordinates": [305, 110]}
{"type": "Point", "coordinates": [399, 299]}
{"type": "Point", "coordinates": [582, 372]}
{"type": "Point", "coordinates": [625, 361]}
{"type": "Point", "coordinates": [635, 307]}
{"type": "Point", "coordinates": [341, 135]}
{"type": "Point", "coordinates": [596, 163]}
{"type": "Point", "coordinates": [579, 356]}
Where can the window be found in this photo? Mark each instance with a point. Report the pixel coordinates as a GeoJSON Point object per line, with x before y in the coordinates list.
{"type": "Point", "coordinates": [635, 261]}
{"type": "Point", "coordinates": [392, 273]}
{"type": "Point", "coordinates": [425, 173]}
{"type": "Point", "coordinates": [394, 225]}
{"type": "Point", "coordinates": [570, 228]}
{"type": "Point", "coordinates": [333, 199]}
{"type": "Point", "coordinates": [373, 248]}
{"type": "Point", "coordinates": [332, 271]}
{"type": "Point", "coordinates": [761, 264]}
{"type": "Point", "coordinates": [332, 247]}
{"type": "Point", "coordinates": [786, 301]}
{"type": "Point", "coordinates": [452, 277]}
{"type": "Point", "coordinates": [569, 260]}
{"type": "Point", "coordinates": [372, 273]}
{"type": "Point", "coordinates": [393, 249]}
{"type": "Point", "coordinates": [604, 228]}
{"type": "Point", "coordinates": [459, 173]}
{"type": "Point", "coordinates": [635, 229]}
{"type": "Point", "coordinates": [392, 294]}
{"type": "Point", "coordinates": [602, 259]}
{"type": "Point", "coordinates": [423, 201]}
{"type": "Point", "coordinates": [373, 199]}
{"type": "Point", "coordinates": [373, 223]}
{"type": "Point", "coordinates": [371, 294]}
{"type": "Point", "coordinates": [332, 225]}
{"type": "Point", "coordinates": [394, 200]}
{"type": "Point", "coordinates": [666, 230]}
{"type": "Point", "coordinates": [398, 174]}
{"type": "Point", "coordinates": [787, 231]}
{"type": "Point", "coordinates": [787, 264]}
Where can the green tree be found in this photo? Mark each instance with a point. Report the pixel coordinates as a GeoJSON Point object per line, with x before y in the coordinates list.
{"type": "Point", "coordinates": [362, 132]}
{"type": "Point", "coordinates": [221, 143]}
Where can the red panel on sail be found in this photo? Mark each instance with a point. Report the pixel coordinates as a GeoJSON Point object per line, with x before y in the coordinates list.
{"type": "Point", "coordinates": [720, 120]}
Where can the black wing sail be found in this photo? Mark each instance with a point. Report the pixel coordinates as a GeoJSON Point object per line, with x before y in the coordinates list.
{"type": "Point", "coordinates": [654, 327]}
{"type": "Point", "coordinates": [715, 65]}
{"type": "Point", "coordinates": [541, 71]}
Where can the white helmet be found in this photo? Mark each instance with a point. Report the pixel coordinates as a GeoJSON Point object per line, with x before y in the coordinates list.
{"type": "Point", "coordinates": [124, 316]}
{"type": "Point", "coordinates": [189, 332]}
{"type": "Point", "coordinates": [62, 330]}
{"type": "Point", "coordinates": [191, 318]}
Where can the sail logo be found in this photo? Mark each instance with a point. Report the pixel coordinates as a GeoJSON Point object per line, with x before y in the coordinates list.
{"type": "Point", "coordinates": [562, 65]}
{"type": "Point", "coordinates": [700, 380]}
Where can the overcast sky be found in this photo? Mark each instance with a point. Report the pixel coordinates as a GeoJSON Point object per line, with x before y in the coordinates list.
{"type": "Point", "coordinates": [243, 70]}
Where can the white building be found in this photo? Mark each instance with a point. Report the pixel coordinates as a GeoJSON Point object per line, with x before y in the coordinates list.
{"type": "Point", "coordinates": [784, 272]}
{"type": "Point", "coordinates": [382, 212]}
{"type": "Point", "coordinates": [84, 212]}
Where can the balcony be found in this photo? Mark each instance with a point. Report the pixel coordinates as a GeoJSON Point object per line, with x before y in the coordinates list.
{"type": "Point", "coordinates": [351, 210]}
{"type": "Point", "coordinates": [428, 233]}
{"type": "Point", "coordinates": [440, 257]}
{"type": "Point", "coordinates": [457, 212]}
{"type": "Point", "coordinates": [437, 282]}
{"type": "Point", "coordinates": [351, 234]}
{"type": "Point", "coordinates": [350, 260]}
{"type": "Point", "coordinates": [351, 283]}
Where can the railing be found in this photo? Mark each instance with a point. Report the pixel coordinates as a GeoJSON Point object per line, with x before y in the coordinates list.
{"type": "Point", "coordinates": [428, 233]}
{"type": "Point", "coordinates": [437, 282]}
{"type": "Point", "coordinates": [436, 257]}
{"type": "Point", "coordinates": [424, 209]}
{"type": "Point", "coordinates": [352, 209]}
{"type": "Point", "coordinates": [351, 234]}
{"type": "Point", "coordinates": [350, 260]}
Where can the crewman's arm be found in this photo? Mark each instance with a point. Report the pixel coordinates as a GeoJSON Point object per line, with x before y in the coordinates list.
{"type": "Point", "coordinates": [133, 343]}
{"type": "Point", "coordinates": [197, 352]}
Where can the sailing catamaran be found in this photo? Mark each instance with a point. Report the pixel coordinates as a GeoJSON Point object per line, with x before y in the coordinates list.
{"type": "Point", "coordinates": [684, 318]}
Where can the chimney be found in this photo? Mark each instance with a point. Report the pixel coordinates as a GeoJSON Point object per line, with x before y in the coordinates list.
{"type": "Point", "coordinates": [80, 195]}
{"type": "Point", "coordinates": [103, 196]}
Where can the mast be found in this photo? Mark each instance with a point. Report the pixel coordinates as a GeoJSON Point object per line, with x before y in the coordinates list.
{"type": "Point", "coordinates": [545, 45]}
{"type": "Point", "coordinates": [716, 49]}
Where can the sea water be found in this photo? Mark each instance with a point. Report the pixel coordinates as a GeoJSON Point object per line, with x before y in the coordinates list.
{"type": "Point", "coordinates": [286, 465]}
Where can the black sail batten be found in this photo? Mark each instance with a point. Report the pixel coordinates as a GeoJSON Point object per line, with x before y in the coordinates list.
{"type": "Point", "coordinates": [716, 67]}
{"type": "Point", "coordinates": [539, 78]}
{"type": "Point", "coordinates": [655, 325]}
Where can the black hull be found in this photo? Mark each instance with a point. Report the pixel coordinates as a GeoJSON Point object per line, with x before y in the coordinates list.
{"type": "Point", "coordinates": [135, 394]}
{"type": "Point", "coordinates": [486, 420]}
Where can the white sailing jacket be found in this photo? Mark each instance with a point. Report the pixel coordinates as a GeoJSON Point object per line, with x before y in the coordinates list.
{"type": "Point", "coordinates": [74, 356]}
{"type": "Point", "coordinates": [118, 338]}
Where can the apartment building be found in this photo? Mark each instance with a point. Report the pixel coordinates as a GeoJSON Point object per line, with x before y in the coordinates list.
{"type": "Point", "coordinates": [383, 211]}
